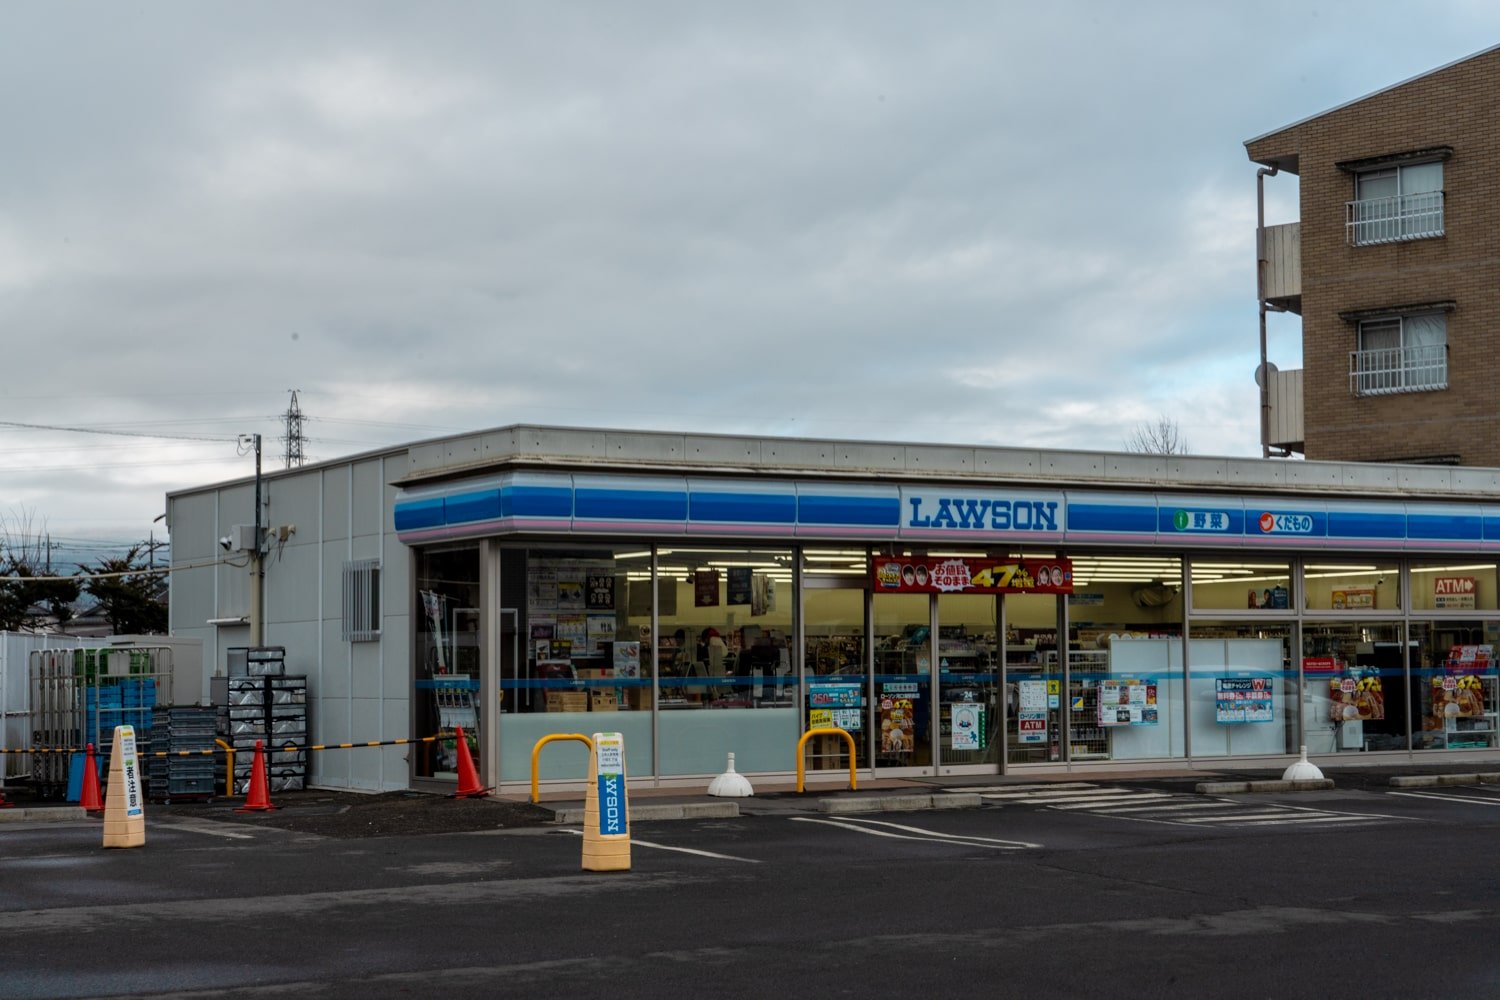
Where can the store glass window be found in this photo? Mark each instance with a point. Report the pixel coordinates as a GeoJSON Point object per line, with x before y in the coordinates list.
{"type": "Point", "coordinates": [1125, 695]}
{"type": "Point", "coordinates": [1454, 585]}
{"type": "Point", "coordinates": [1367, 585]}
{"type": "Point", "coordinates": [1227, 583]}
{"type": "Point", "coordinates": [1033, 679]}
{"type": "Point", "coordinates": [1455, 685]}
{"type": "Point", "coordinates": [725, 657]}
{"type": "Point", "coordinates": [1243, 685]}
{"type": "Point", "coordinates": [1355, 692]}
{"type": "Point", "coordinates": [574, 631]}
{"type": "Point", "coordinates": [447, 695]}
{"type": "Point", "coordinates": [838, 687]}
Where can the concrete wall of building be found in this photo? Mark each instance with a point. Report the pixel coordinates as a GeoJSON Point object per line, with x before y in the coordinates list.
{"type": "Point", "coordinates": [357, 691]}
{"type": "Point", "coordinates": [1454, 107]}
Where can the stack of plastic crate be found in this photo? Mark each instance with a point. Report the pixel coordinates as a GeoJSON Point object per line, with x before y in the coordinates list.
{"type": "Point", "coordinates": [175, 729]}
{"type": "Point", "coordinates": [268, 706]}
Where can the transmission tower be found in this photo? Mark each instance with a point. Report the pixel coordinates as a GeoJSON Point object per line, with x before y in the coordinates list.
{"type": "Point", "coordinates": [294, 437]}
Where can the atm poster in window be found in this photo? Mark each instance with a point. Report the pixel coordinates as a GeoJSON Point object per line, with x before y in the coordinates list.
{"type": "Point", "coordinates": [1031, 714]}
{"type": "Point", "coordinates": [1128, 701]}
{"type": "Point", "coordinates": [836, 705]}
{"type": "Point", "coordinates": [1244, 699]}
{"type": "Point", "coordinates": [898, 720]}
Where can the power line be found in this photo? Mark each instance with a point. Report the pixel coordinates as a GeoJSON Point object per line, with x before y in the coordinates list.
{"type": "Point", "coordinates": [98, 430]}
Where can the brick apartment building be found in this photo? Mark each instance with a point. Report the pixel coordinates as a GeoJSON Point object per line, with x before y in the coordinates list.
{"type": "Point", "coordinates": [1394, 268]}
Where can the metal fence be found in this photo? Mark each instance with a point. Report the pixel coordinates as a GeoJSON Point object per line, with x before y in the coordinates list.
{"type": "Point", "coordinates": [79, 696]}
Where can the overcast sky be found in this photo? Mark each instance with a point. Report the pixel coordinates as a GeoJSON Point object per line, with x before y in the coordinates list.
{"type": "Point", "coordinates": [979, 223]}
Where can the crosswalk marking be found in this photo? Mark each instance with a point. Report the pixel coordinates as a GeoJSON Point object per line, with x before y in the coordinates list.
{"type": "Point", "coordinates": [1171, 808]}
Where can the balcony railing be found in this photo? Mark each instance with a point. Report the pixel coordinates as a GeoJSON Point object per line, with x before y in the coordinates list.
{"type": "Point", "coordinates": [1398, 369]}
{"type": "Point", "coordinates": [1391, 220]}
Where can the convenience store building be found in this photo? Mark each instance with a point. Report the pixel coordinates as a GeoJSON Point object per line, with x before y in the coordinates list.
{"type": "Point", "coordinates": [958, 610]}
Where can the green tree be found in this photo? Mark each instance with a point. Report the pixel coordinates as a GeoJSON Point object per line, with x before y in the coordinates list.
{"type": "Point", "coordinates": [131, 595]}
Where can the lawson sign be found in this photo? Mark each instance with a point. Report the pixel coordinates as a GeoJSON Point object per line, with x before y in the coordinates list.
{"type": "Point", "coordinates": [938, 513]}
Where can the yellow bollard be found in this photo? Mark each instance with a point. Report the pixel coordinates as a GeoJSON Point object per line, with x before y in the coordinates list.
{"type": "Point", "coordinates": [124, 806]}
{"type": "Point", "coordinates": [606, 808]}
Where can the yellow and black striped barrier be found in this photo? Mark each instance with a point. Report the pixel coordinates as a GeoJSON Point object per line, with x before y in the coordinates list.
{"type": "Point", "coordinates": [268, 748]}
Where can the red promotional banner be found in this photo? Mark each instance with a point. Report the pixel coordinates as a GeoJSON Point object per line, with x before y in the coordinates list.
{"type": "Point", "coordinates": [937, 575]}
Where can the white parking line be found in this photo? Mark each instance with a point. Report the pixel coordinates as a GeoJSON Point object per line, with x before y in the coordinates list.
{"type": "Point", "coordinates": [207, 827]}
{"type": "Point", "coordinates": [680, 850]}
{"type": "Point", "coordinates": [1107, 805]}
{"type": "Point", "coordinates": [930, 837]}
{"type": "Point", "coordinates": [1448, 797]}
{"type": "Point", "coordinates": [1160, 807]}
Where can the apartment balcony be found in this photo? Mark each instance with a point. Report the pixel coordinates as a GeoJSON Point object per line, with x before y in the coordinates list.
{"type": "Point", "coordinates": [1284, 393]}
{"type": "Point", "coordinates": [1395, 219]}
{"type": "Point", "coordinates": [1282, 255]}
{"type": "Point", "coordinates": [1398, 369]}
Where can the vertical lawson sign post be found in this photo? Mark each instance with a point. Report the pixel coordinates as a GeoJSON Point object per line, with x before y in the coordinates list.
{"type": "Point", "coordinates": [124, 806]}
{"type": "Point", "coordinates": [606, 811]}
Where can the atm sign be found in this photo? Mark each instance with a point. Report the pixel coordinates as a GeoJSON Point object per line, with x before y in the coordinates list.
{"type": "Point", "coordinates": [1286, 524]}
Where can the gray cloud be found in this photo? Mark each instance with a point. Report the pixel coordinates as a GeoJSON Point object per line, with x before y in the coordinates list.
{"type": "Point", "coordinates": [966, 222]}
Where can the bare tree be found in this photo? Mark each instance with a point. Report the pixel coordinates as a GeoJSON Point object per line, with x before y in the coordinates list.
{"type": "Point", "coordinates": [1161, 436]}
{"type": "Point", "coordinates": [27, 603]}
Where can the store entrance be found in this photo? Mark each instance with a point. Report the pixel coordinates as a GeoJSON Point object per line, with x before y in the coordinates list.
{"type": "Point", "coordinates": [936, 703]}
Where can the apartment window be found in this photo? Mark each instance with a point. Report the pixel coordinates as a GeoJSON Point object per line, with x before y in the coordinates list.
{"type": "Point", "coordinates": [1396, 203]}
{"type": "Point", "coordinates": [361, 622]}
{"type": "Point", "coordinates": [1400, 354]}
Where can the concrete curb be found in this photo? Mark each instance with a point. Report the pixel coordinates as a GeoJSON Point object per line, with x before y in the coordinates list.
{"type": "Point", "coordinates": [1278, 785]}
{"type": "Point", "coordinates": [664, 811]}
{"type": "Point", "coordinates": [900, 803]}
{"type": "Point", "coordinates": [50, 813]}
{"type": "Point", "coordinates": [1429, 780]}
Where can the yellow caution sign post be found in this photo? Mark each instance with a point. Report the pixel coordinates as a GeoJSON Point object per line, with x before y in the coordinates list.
{"type": "Point", "coordinates": [124, 805]}
{"type": "Point", "coordinates": [606, 809]}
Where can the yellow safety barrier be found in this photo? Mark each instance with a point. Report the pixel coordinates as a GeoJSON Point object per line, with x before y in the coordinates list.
{"type": "Point", "coordinates": [228, 767]}
{"type": "Point", "coordinates": [802, 743]}
{"type": "Point", "coordinates": [536, 752]}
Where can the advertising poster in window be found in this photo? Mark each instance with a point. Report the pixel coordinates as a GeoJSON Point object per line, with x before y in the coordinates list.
{"type": "Point", "coordinates": [836, 705]}
{"type": "Point", "coordinates": [1353, 599]}
{"type": "Point", "coordinates": [627, 659]}
{"type": "Point", "coordinates": [1244, 699]}
{"type": "Point", "coordinates": [1128, 701]}
{"type": "Point", "coordinates": [1358, 696]}
{"type": "Point", "coordinates": [601, 592]}
{"type": "Point", "coordinates": [1031, 714]}
{"type": "Point", "coordinates": [571, 591]}
{"type": "Point", "coordinates": [938, 575]}
{"type": "Point", "coordinates": [762, 594]}
{"type": "Point", "coordinates": [542, 589]}
{"type": "Point", "coordinates": [898, 719]}
{"type": "Point", "coordinates": [574, 629]}
{"type": "Point", "coordinates": [966, 723]}
{"type": "Point", "coordinates": [601, 631]}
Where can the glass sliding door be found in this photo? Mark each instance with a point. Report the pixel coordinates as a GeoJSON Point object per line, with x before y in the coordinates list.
{"type": "Point", "coordinates": [903, 679]}
{"type": "Point", "coordinates": [969, 709]}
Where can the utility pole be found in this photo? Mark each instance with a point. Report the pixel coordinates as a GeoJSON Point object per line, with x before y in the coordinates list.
{"type": "Point", "coordinates": [257, 563]}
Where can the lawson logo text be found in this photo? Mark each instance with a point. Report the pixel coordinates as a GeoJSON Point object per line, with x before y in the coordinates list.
{"type": "Point", "coordinates": [959, 513]}
{"type": "Point", "coordinates": [611, 805]}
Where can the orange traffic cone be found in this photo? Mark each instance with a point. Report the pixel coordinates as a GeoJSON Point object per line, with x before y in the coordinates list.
{"type": "Point", "coordinates": [468, 778]}
{"type": "Point", "coordinates": [258, 796]}
{"type": "Point", "coordinates": [91, 800]}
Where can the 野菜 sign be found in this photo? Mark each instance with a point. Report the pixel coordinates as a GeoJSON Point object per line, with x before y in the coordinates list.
{"type": "Point", "coordinates": [937, 575]}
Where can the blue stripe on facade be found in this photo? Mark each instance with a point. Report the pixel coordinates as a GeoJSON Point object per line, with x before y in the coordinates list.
{"type": "Point", "coordinates": [630, 505]}
{"type": "Point", "coordinates": [537, 501]}
{"type": "Point", "coordinates": [754, 508]}
{"type": "Point", "coordinates": [1444, 527]}
{"type": "Point", "coordinates": [875, 512]}
{"type": "Point", "coordinates": [1365, 524]}
{"type": "Point", "coordinates": [414, 515]}
{"type": "Point", "coordinates": [465, 507]}
{"type": "Point", "coordinates": [1111, 518]}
